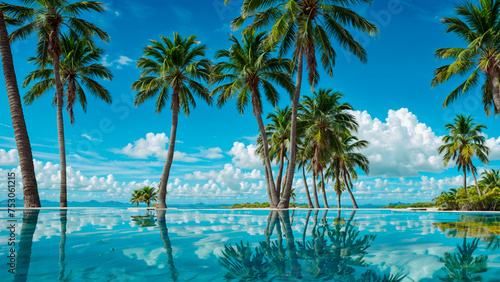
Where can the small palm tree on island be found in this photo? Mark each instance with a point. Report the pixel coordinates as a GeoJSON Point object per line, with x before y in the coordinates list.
{"type": "Point", "coordinates": [146, 195]}
{"type": "Point", "coordinates": [179, 66]}
{"type": "Point", "coordinates": [465, 142]}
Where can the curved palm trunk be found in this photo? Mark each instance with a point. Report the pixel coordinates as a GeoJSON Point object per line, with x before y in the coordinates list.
{"type": "Point", "coordinates": [55, 53]}
{"type": "Point", "coordinates": [347, 185]}
{"type": "Point", "coordinates": [265, 145]}
{"type": "Point", "coordinates": [162, 226]}
{"type": "Point", "coordinates": [495, 89]}
{"type": "Point", "coordinates": [338, 191]}
{"type": "Point", "coordinates": [315, 191]}
{"type": "Point", "coordinates": [280, 171]}
{"type": "Point", "coordinates": [309, 202]}
{"type": "Point", "coordinates": [62, 244]}
{"type": "Point", "coordinates": [285, 200]}
{"type": "Point", "coordinates": [162, 191]}
{"type": "Point", "coordinates": [30, 188]}
{"type": "Point", "coordinates": [271, 203]}
{"type": "Point", "coordinates": [30, 219]}
{"type": "Point", "coordinates": [475, 182]}
{"type": "Point", "coordinates": [323, 190]}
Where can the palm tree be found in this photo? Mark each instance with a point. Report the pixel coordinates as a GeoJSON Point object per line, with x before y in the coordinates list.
{"type": "Point", "coordinates": [477, 26]}
{"type": "Point", "coordinates": [462, 265]}
{"type": "Point", "coordinates": [136, 197]}
{"type": "Point", "coordinates": [465, 142]}
{"type": "Point", "coordinates": [177, 65]}
{"type": "Point", "coordinates": [249, 71]}
{"type": "Point", "coordinates": [30, 187]}
{"type": "Point", "coordinates": [306, 26]}
{"type": "Point", "coordinates": [490, 179]}
{"type": "Point", "coordinates": [278, 134]}
{"type": "Point", "coordinates": [303, 159]}
{"type": "Point", "coordinates": [345, 162]}
{"type": "Point", "coordinates": [324, 119]}
{"type": "Point", "coordinates": [149, 194]}
{"type": "Point", "coordinates": [46, 19]}
{"type": "Point", "coordinates": [79, 66]}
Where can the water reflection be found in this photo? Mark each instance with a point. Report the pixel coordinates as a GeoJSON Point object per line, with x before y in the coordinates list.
{"type": "Point", "coordinates": [30, 219]}
{"type": "Point", "coordinates": [162, 226]}
{"type": "Point", "coordinates": [334, 252]}
{"type": "Point", "coordinates": [147, 220]}
{"type": "Point", "coordinates": [463, 265]}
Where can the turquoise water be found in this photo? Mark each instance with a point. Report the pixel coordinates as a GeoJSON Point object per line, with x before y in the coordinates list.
{"type": "Point", "coordinates": [226, 245]}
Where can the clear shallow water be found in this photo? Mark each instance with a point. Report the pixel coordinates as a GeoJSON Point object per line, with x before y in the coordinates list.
{"type": "Point", "coordinates": [222, 245]}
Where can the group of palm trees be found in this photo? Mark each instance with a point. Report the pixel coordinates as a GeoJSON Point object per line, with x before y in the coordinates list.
{"type": "Point", "coordinates": [146, 194]}
{"type": "Point", "coordinates": [327, 146]}
{"type": "Point", "coordinates": [176, 70]}
{"type": "Point", "coordinates": [318, 135]}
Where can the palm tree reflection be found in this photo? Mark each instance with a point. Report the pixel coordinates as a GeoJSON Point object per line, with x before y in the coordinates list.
{"type": "Point", "coordinates": [463, 265]}
{"type": "Point", "coordinates": [333, 252]}
{"type": "Point", "coordinates": [30, 219]}
{"type": "Point", "coordinates": [162, 226]}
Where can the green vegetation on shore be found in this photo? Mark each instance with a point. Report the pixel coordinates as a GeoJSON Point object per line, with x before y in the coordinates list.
{"type": "Point", "coordinates": [257, 205]}
{"type": "Point", "coordinates": [414, 205]}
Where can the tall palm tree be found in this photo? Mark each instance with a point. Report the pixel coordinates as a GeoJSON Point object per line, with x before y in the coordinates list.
{"type": "Point", "coordinates": [136, 197]}
{"type": "Point", "coordinates": [325, 119]}
{"type": "Point", "coordinates": [46, 19]}
{"type": "Point", "coordinates": [306, 26]}
{"type": "Point", "coordinates": [464, 142]}
{"type": "Point", "coordinates": [172, 69]}
{"type": "Point", "coordinates": [79, 67]}
{"type": "Point", "coordinates": [303, 159]}
{"type": "Point", "coordinates": [30, 187]}
{"type": "Point", "coordinates": [477, 26]}
{"type": "Point", "coordinates": [345, 162]}
{"type": "Point", "coordinates": [149, 194]}
{"type": "Point", "coordinates": [249, 71]}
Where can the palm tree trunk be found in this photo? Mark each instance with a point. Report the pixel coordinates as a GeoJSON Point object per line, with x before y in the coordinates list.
{"type": "Point", "coordinates": [465, 181]}
{"type": "Point", "coordinates": [280, 171]}
{"type": "Point", "coordinates": [55, 52]}
{"type": "Point", "coordinates": [162, 193]}
{"type": "Point", "coordinates": [271, 203]}
{"type": "Point", "coordinates": [315, 191]}
{"type": "Point", "coordinates": [290, 242]}
{"type": "Point", "coordinates": [338, 191]}
{"type": "Point", "coordinates": [495, 89]}
{"type": "Point", "coordinates": [265, 145]}
{"type": "Point", "coordinates": [305, 227]}
{"type": "Point", "coordinates": [62, 244]}
{"type": "Point", "coordinates": [162, 226]}
{"type": "Point", "coordinates": [323, 189]}
{"type": "Point", "coordinates": [475, 182]}
{"type": "Point", "coordinates": [30, 188]}
{"type": "Point", "coordinates": [309, 202]}
{"type": "Point", "coordinates": [347, 185]}
{"type": "Point", "coordinates": [285, 200]}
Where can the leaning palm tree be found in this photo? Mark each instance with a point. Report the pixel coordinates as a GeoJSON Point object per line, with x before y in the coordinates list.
{"type": "Point", "coordinates": [477, 26]}
{"type": "Point", "coordinates": [345, 162]}
{"type": "Point", "coordinates": [46, 19]}
{"type": "Point", "coordinates": [136, 197]}
{"type": "Point", "coordinates": [250, 71]}
{"type": "Point", "coordinates": [30, 187]}
{"type": "Point", "coordinates": [179, 66]}
{"type": "Point", "coordinates": [325, 119]}
{"type": "Point", "coordinates": [465, 142]}
{"type": "Point", "coordinates": [149, 194]}
{"type": "Point", "coordinates": [79, 67]}
{"type": "Point", "coordinates": [307, 26]}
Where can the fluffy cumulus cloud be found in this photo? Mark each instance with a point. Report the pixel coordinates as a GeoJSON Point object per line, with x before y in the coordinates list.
{"type": "Point", "coordinates": [155, 145]}
{"type": "Point", "coordinates": [244, 156]}
{"type": "Point", "coordinates": [400, 146]}
{"type": "Point", "coordinates": [211, 153]}
{"type": "Point", "coordinates": [121, 61]}
{"type": "Point", "coordinates": [8, 157]}
{"type": "Point", "coordinates": [228, 177]}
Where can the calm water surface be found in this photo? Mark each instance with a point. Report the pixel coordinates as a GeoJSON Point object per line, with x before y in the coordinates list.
{"type": "Point", "coordinates": [225, 245]}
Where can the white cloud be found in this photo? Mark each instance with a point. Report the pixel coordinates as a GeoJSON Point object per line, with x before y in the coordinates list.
{"type": "Point", "coordinates": [153, 146]}
{"type": "Point", "coordinates": [211, 153]}
{"type": "Point", "coordinates": [9, 157]}
{"type": "Point", "coordinates": [121, 61]}
{"type": "Point", "coordinates": [244, 156]}
{"type": "Point", "coordinates": [380, 183]}
{"type": "Point", "coordinates": [400, 146]}
{"type": "Point", "coordinates": [124, 60]}
{"type": "Point", "coordinates": [229, 176]}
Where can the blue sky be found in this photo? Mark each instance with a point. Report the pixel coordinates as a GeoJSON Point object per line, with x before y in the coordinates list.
{"type": "Point", "coordinates": [116, 148]}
